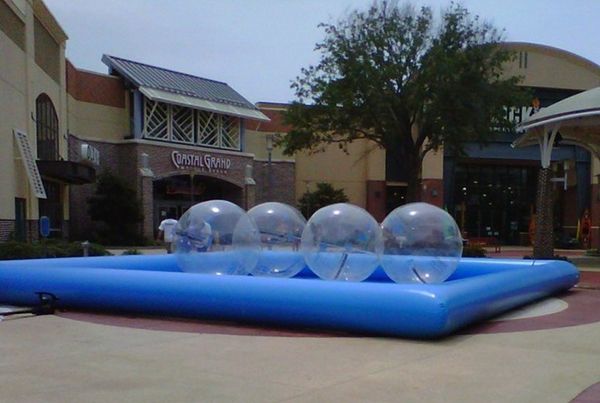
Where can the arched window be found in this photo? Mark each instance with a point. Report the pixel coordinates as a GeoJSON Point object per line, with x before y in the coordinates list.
{"type": "Point", "coordinates": [47, 128]}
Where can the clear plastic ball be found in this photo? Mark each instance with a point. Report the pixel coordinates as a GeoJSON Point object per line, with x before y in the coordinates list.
{"type": "Point", "coordinates": [216, 237]}
{"type": "Point", "coordinates": [422, 244]}
{"type": "Point", "coordinates": [280, 228]}
{"type": "Point", "coordinates": [342, 242]}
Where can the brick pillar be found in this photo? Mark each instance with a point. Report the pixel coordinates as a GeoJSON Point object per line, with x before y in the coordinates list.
{"type": "Point", "coordinates": [249, 196]}
{"type": "Point", "coordinates": [432, 192]}
{"type": "Point", "coordinates": [147, 200]}
{"type": "Point", "coordinates": [543, 246]}
{"type": "Point", "coordinates": [376, 199]}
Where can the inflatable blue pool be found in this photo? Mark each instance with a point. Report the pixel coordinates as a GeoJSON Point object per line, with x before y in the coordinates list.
{"type": "Point", "coordinates": [153, 285]}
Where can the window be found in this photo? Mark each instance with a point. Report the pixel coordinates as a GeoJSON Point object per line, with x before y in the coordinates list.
{"type": "Point", "coordinates": [12, 25]}
{"type": "Point", "coordinates": [184, 125]}
{"type": "Point", "coordinates": [46, 129]}
{"type": "Point", "coordinates": [522, 60]}
{"type": "Point", "coordinates": [47, 51]}
{"type": "Point", "coordinates": [216, 130]}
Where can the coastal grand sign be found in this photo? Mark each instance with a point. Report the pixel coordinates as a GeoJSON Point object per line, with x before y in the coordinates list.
{"type": "Point", "coordinates": [201, 161]}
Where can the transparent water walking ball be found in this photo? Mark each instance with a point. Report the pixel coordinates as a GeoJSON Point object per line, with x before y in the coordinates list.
{"type": "Point", "coordinates": [216, 237]}
{"type": "Point", "coordinates": [342, 242]}
{"type": "Point", "coordinates": [280, 228]}
{"type": "Point", "coordinates": [422, 244]}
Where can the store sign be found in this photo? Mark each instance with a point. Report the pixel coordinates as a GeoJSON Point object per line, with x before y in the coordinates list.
{"type": "Point", "coordinates": [90, 154]}
{"type": "Point", "coordinates": [518, 114]}
{"type": "Point", "coordinates": [202, 162]}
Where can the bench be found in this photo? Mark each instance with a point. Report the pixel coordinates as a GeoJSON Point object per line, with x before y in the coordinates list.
{"type": "Point", "coordinates": [486, 241]}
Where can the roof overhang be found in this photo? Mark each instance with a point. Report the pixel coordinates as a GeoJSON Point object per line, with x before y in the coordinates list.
{"type": "Point", "coordinates": [71, 172]}
{"type": "Point", "coordinates": [202, 104]}
{"type": "Point", "coordinates": [576, 118]}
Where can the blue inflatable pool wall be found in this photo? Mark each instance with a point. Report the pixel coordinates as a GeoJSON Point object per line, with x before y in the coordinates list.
{"type": "Point", "coordinates": [153, 285]}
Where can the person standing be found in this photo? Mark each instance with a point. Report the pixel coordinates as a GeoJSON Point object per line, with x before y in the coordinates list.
{"type": "Point", "coordinates": [166, 231]}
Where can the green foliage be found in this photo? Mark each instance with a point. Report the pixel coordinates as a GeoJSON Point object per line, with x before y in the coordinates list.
{"type": "Point", "coordinates": [392, 75]}
{"type": "Point", "coordinates": [131, 252]}
{"type": "Point", "coordinates": [474, 251]}
{"type": "Point", "coordinates": [117, 209]}
{"type": "Point", "coordinates": [46, 248]}
{"type": "Point", "coordinates": [324, 195]}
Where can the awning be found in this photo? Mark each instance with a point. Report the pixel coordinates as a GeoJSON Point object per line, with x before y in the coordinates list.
{"type": "Point", "coordinates": [70, 172]}
{"type": "Point", "coordinates": [202, 104]}
{"type": "Point", "coordinates": [577, 119]}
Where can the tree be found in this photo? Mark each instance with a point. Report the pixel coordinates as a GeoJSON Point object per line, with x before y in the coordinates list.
{"type": "Point", "coordinates": [116, 206]}
{"type": "Point", "coordinates": [324, 195]}
{"type": "Point", "coordinates": [394, 77]}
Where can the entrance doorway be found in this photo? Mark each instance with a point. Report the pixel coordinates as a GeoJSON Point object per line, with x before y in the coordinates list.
{"type": "Point", "coordinates": [52, 207]}
{"type": "Point", "coordinates": [395, 197]}
{"type": "Point", "coordinates": [495, 201]}
{"type": "Point", "coordinates": [174, 195]}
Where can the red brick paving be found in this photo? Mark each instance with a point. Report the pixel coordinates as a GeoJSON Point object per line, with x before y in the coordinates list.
{"type": "Point", "coordinates": [590, 395]}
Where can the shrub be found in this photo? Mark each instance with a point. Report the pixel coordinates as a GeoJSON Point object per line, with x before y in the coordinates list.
{"type": "Point", "coordinates": [474, 251]}
{"type": "Point", "coordinates": [47, 249]}
{"type": "Point", "coordinates": [324, 195]}
{"type": "Point", "coordinates": [131, 252]}
{"type": "Point", "coordinates": [117, 210]}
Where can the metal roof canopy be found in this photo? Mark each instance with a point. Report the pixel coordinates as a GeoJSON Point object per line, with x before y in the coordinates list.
{"type": "Point", "coordinates": [203, 104]}
{"type": "Point", "coordinates": [576, 118]}
{"type": "Point", "coordinates": [184, 89]}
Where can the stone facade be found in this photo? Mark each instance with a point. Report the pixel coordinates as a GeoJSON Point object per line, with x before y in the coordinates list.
{"type": "Point", "coordinates": [7, 229]}
{"type": "Point", "coordinates": [165, 161]}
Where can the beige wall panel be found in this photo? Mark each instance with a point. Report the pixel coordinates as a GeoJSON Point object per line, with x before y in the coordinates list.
{"type": "Point", "coordinates": [433, 165]}
{"type": "Point", "coordinates": [94, 121]}
{"type": "Point", "coordinates": [12, 65]}
{"type": "Point", "coordinates": [335, 167]}
{"type": "Point", "coordinates": [333, 164]}
{"type": "Point", "coordinates": [552, 68]}
{"type": "Point", "coordinates": [11, 116]}
{"type": "Point", "coordinates": [256, 143]}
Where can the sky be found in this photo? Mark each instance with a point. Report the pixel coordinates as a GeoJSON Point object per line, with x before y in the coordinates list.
{"type": "Point", "coordinates": [259, 46]}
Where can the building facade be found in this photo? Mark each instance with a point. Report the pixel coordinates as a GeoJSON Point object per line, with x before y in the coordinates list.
{"type": "Point", "coordinates": [176, 138]}
{"type": "Point", "coordinates": [35, 173]}
{"type": "Point", "coordinates": [490, 191]}
{"type": "Point", "coordinates": [179, 139]}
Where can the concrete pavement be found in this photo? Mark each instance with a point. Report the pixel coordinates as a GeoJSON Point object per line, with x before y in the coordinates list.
{"type": "Point", "coordinates": [552, 356]}
{"type": "Point", "coordinates": [57, 359]}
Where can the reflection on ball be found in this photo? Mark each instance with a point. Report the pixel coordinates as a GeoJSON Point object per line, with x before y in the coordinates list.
{"type": "Point", "coordinates": [422, 243]}
{"type": "Point", "coordinates": [280, 227]}
{"type": "Point", "coordinates": [342, 242]}
{"type": "Point", "coordinates": [216, 237]}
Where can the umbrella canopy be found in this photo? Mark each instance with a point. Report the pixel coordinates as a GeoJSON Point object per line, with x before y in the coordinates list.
{"type": "Point", "coordinates": [576, 119]}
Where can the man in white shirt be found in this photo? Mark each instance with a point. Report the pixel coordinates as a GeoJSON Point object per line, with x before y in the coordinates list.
{"type": "Point", "coordinates": [166, 231]}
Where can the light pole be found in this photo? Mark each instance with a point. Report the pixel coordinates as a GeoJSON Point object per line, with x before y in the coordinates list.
{"type": "Point", "coordinates": [269, 140]}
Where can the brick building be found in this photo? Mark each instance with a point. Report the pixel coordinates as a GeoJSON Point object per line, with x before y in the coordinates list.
{"type": "Point", "coordinates": [178, 139]}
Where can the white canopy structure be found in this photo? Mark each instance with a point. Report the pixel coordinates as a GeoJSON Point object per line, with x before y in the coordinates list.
{"type": "Point", "coordinates": [577, 118]}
